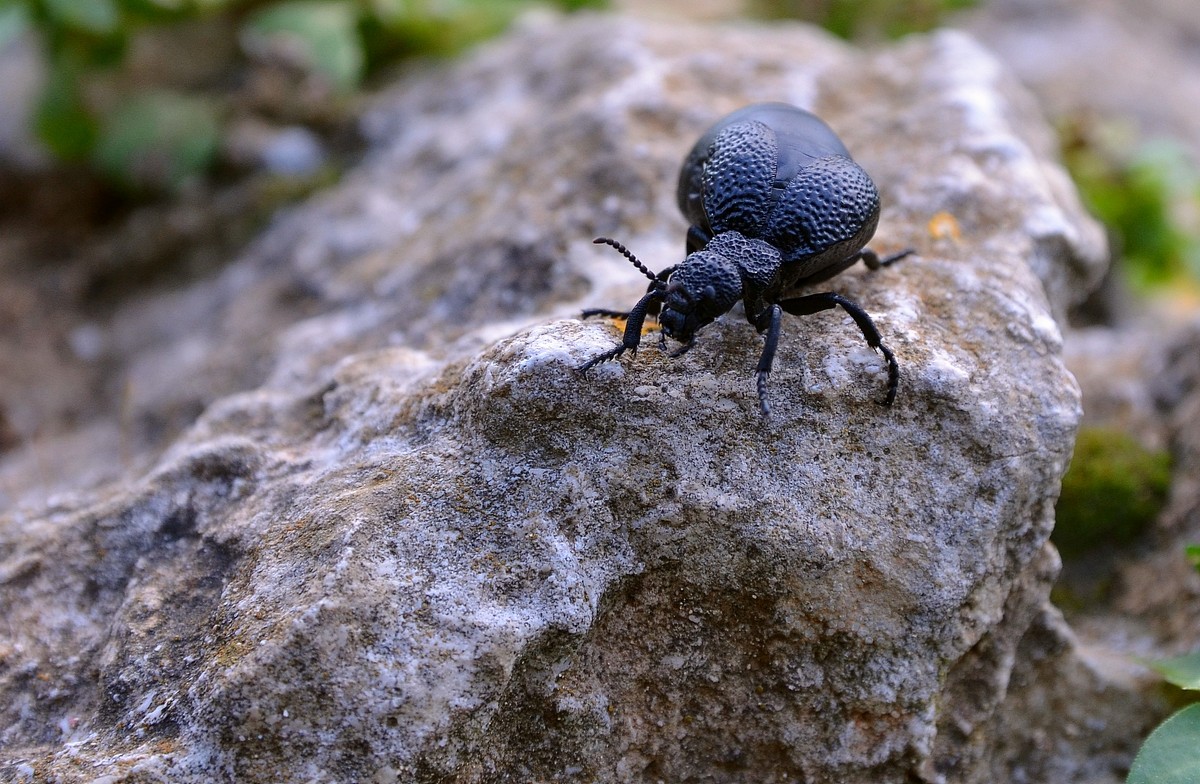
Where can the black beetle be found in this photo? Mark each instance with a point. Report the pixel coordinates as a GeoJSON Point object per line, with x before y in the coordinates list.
{"type": "Point", "coordinates": [775, 204]}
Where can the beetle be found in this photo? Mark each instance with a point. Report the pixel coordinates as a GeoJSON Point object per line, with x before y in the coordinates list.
{"type": "Point", "coordinates": [775, 204]}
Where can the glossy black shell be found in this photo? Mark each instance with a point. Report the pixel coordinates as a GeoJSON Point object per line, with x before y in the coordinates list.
{"type": "Point", "coordinates": [778, 173]}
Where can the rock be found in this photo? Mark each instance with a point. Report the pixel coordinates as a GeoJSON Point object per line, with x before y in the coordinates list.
{"type": "Point", "coordinates": [21, 78]}
{"type": "Point", "coordinates": [291, 151]}
{"type": "Point", "coordinates": [1103, 59]}
{"type": "Point", "coordinates": [1162, 588]}
{"type": "Point", "coordinates": [1147, 383]}
{"type": "Point", "coordinates": [420, 547]}
{"type": "Point", "coordinates": [1115, 369]}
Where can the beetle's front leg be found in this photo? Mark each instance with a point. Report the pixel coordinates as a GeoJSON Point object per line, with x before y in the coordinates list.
{"type": "Point", "coordinates": [633, 331]}
{"type": "Point", "coordinates": [697, 238]}
{"type": "Point", "coordinates": [769, 321]}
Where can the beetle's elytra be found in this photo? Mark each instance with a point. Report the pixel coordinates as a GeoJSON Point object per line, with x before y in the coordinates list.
{"type": "Point", "coordinates": [775, 204]}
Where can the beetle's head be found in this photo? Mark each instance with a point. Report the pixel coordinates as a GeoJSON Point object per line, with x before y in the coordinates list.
{"type": "Point", "coordinates": [705, 286]}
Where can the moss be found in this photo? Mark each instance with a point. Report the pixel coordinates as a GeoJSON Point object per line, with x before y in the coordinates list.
{"type": "Point", "coordinates": [1146, 193]}
{"type": "Point", "coordinates": [1113, 490]}
{"type": "Point", "coordinates": [863, 19]}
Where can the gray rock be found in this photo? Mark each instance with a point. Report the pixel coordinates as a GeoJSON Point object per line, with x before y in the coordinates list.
{"type": "Point", "coordinates": [1103, 59]}
{"type": "Point", "coordinates": [21, 79]}
{"type": "Point", "coordinates": [1144, 379]}
{"type": "Point", "coordinates": [422, 548]}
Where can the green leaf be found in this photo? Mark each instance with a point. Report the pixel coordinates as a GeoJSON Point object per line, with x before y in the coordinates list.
{"type": "Point", "coordinates": [1171, 755]}
{"type": "Point", "coordinates": [1183, 671]}
{"type": "Point", "coordinates": [157, 140]}
{"type": "Point", "coordinates": [99, 17]}
{"type": "Point", "coordinates": [322, 35]}
{"type": "Point", "coordinates": [1192, 551]}
{"type": "Point", "coordinates": [61, 120]}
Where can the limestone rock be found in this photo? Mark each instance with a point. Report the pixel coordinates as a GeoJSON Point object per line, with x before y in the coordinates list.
{"type": "Point", "coordinates": [423, 548]}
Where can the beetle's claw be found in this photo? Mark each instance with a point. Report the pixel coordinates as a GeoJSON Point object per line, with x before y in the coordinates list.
{"type": "Point", "coordinates": [605, 357]}
{"type": "Point", "coordinates": [893, 374]}
{"type": "Point", "coordinates": [679, 352]}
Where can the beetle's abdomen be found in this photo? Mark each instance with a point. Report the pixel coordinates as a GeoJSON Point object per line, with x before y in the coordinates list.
{"type": "Point", "coordinates": [829, 202]}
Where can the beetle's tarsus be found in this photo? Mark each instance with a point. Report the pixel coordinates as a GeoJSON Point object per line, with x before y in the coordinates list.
{"type": "Point", "coordinates": [764, 404]}
{"type": "Point", "coordinates": [769, 321]}
{"type": "Point", "coordinates": [605, 357]}
{"type": "Point", "coordinates": [633, 331]}
{"type": "Point", "coordinates": [893, 374]}
{"type": "Point", "coordinates": [685, 348]}
{"type": "Point", "coordinates": [605, 313]}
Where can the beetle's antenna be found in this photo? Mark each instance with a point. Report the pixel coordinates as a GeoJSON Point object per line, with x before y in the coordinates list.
{"type": "Point", "coordinates": [629, 255]}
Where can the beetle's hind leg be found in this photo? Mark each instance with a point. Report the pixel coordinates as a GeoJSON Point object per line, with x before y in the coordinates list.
{"type": "Point", "coordinates": [873, 261]}
{"type": "Point", "coordinates": [815, 303]}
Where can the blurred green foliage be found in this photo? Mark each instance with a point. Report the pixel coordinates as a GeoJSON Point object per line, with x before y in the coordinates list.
{"type": "Point", "coordinates": [1170, 755]}
{"type": "Point", "coordinates": [157, 138]}
{"type": "Point", "coordinates": [151, 135]}
{"type": "Point", "coordinates": [859, 19]}
{"type": "Point", "coordinates": [1147, 194]}
{"type": "Point", "coordinates": [1114, 488]}
{"type": "Point", "coordinates": [322, 35]}
{"type": "Point", "coordinates": [399, 28]}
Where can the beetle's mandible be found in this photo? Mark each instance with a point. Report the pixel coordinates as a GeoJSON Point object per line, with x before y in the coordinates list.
{"type": "Point", "coordinates": [775, 204]}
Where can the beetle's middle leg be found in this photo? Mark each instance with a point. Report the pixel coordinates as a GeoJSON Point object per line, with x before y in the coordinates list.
{"type": "Point", "coordinates": [815, 303]}
{"type": "Point", "coordinates": [769, 321]}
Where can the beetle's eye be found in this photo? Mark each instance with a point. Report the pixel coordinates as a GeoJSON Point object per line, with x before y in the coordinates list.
{"type": "Point", "coordinates": [710, 293]}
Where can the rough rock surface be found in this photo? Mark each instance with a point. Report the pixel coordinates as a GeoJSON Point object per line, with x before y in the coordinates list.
{"type": "Point", "coordinates": [422, 548]}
